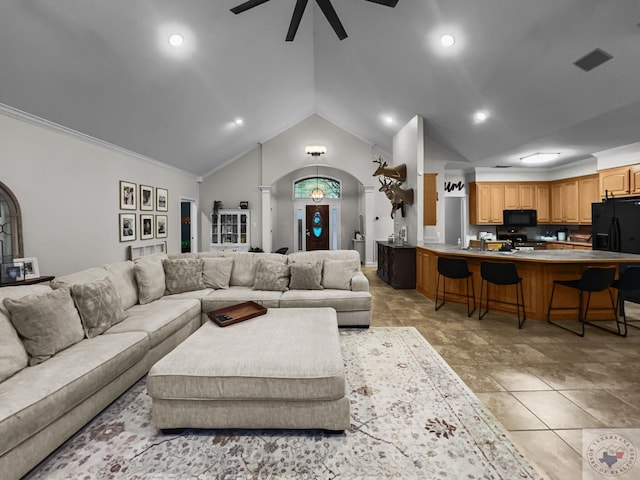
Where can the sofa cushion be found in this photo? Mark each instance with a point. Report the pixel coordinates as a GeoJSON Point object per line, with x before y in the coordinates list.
{"type": "Point", "coordinates": [216, 272]}
{"type": "Point", "coordinates": [159, 319]}
{"type": "Point", "coordinates": [13, 356]}
{"type": "Point", "coordinates": [340, 300]}
{"type": "Point", "coordinates": [83, 276]}
{"type": "Point", "coordinates": [306, 276]}
{"type": "Point", "coordinates": [150, 277]}
{"type": "Point", "coordinates": [47, 323]}
{"type": "Point", "coordinates": [36, 396]}
{"type": "Point", "coordinates": [98, 304]}
{"type": "Point", "coordinates": [183, 274]}
{"type": "Point", "coordinates": [225, 298]}
{"type": "Point", "coordinates": [124, 278]}
{"type": "Point", "coordinates": [244, 266]}
{"type": "Point", "coordinates": [338, 273]}
{"type": "Point", "coordinates": [271, 276]}
{"type": "Point", "coordinates": [321, 255]}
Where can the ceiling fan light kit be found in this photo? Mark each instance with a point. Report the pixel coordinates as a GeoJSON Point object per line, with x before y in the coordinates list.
{"type": "Point", "coordinates": [326, 7]}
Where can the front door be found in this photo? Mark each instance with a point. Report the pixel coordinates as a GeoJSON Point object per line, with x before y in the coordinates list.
{"type": "Point", "coordinates": [317, 227]}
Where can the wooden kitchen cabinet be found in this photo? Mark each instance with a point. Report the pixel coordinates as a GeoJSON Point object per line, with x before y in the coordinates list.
{"type": "Point", "coordinates": [587, 194]}
{"type": "Point", "coordinates": [543, 202]}
{"type": "Point", "coordinates": [564, 201]}
{"type": "Point", "coordinates": [486, 203]}
{"type": "Point", "coordinates": [634, 186]}
{"type": "Point", "coordinates": [430, 199]}
{"type": "Point", "coordinates": [615, 182]}
{"type": "Point", "coordinates": [397, 265]}
{"type": "Point", "coordinates": [519, 196]}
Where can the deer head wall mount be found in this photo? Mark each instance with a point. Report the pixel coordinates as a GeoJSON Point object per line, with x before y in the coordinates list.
{"type": "Point", "coordinates": [393, 178]}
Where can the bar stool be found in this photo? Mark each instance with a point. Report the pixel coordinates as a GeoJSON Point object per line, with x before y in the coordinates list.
{"type": "Point", "coordinates": [457, 269]}
{"type": "Point", "coordinates": [628, 287]}
{"type": "Point", "coordinates": [501, 273]}
{"type": "Point", "coordinates": [593, 279]}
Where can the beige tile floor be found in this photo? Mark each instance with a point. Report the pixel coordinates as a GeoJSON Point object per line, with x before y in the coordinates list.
{"type": "Point", "coordinates": [543, 384]}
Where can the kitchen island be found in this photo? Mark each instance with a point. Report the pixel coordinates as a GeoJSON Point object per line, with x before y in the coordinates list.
{"type": "Point", "coordinates": [537, 268]}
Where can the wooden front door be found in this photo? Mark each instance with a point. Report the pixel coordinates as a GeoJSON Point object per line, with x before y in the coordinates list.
{"type": "Point", "coordinates": [317, 227]}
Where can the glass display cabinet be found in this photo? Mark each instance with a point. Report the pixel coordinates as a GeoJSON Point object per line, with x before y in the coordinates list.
{"type": "Point", "coordinates": [230, 229]}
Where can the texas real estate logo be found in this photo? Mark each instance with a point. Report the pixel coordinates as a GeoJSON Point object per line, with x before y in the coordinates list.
{"type": "Point", "coordinates": [610, 454]}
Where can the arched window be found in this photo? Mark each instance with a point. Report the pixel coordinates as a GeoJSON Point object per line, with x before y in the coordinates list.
{"type": "Point", "coordinates": [10, 226]}
{"type": "Point", "coordinates": [330, 186]}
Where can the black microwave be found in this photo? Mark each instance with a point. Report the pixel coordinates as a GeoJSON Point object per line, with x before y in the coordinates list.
{"type": "Point", "coordinates": [519, 218]}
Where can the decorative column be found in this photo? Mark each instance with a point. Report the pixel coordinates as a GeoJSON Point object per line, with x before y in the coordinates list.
{"type": "Point", "coordinates": [266, 218]}
{"type": "Point", "coordinates": [368, 223]}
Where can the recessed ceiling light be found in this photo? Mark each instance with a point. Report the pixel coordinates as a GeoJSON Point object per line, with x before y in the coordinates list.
{"type": "Point", "coordinates": [447, 40]}
{"type": "Point", "coordinates": [176, 40]}
{"type": "Point", "coordinates": [238, 121]}
{"type": "Point", "coordinates": [539, 158]}
{"type": "Point", "coordinates": [388, 120]}
{"type": "Point", "coordinates": [480, 116]}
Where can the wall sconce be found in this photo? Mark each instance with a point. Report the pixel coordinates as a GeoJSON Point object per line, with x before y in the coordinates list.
{"type": "Point", "coordinates": [315, 150]}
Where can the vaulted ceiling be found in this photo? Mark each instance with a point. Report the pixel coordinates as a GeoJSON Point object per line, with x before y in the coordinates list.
{"type": "Point", "coordinates": [105, 68]}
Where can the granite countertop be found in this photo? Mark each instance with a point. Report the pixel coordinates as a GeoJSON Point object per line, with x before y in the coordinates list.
{"type": "Point", "coordinates": [552, 256]}
{"type": "Point", "coordinates": [395, 245]}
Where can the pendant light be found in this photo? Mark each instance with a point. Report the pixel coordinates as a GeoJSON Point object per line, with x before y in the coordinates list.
{"type": "Point", "coordinates": [317, 194]}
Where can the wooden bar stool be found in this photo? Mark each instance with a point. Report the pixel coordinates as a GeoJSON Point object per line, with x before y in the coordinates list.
{"type": "Point", "coordinates": [501, 273]}
{"type": "Point", "coordinates": [593, 279]}
{"type": "Point", "coordinates": [456, 269]}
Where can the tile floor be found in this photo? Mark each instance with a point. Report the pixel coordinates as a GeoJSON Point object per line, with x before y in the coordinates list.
{"type": "Point", "coordinates": [543, 384]}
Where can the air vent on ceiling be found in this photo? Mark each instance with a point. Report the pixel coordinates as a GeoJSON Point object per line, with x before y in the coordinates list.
{"type": "Point", "coordinates": [502, 166]}
{"type": "Point", "coordinates": [593, 59]}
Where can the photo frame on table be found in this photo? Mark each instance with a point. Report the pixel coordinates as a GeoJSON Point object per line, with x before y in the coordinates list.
{"type": "Point", "coordinates": [128, 195]}
{"type": "Point", "coordinates": [147, 198]}
{"type": "Point", "coordinates": [162, 199]}
{"type": "Point", "coordinates": [30, 267]}
{"type": "Point", "coordinates": [161, 226]}
{"type": "Point", "coordinates": [146, 227]}
{"type": "Point", "coordinates": [127, 227]}
{"type": "Point", "coordinates": [12, 272]}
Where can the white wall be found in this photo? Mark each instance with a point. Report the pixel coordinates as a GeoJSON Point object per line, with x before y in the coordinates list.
{"type": "Point", "coordinates": [68, 189]}
{"type": "Point", "coordinates": [618, 157]}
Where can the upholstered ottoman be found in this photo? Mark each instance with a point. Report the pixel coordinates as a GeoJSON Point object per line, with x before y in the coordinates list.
{"type": "Point", "coordinates": [279, 370]}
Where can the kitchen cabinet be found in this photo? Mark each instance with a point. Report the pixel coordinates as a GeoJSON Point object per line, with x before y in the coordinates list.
{"type": "Point", "coordinates": [397, 265]}
{"type": "Point", "coordinates": [486, 203]}
{"type": "Point", "coordinates": [564, 201]}
{"type": "Point", "coordinates": [587, 194]}
{"type": "Point", "coordinates": [543, 204]}
{"type": "Point", "coordinates": [519, 196]}
{"type": "Point", "coordinates": [430, 199]}
{"type": "Point", "coordinates": [615, 182]}
{"type": "Point", "coordinates": [634, 186]}
{"type": "Point", "coordinates": [230, 230]}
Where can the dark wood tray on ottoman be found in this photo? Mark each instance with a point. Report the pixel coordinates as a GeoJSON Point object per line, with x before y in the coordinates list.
{"type": "Point", "coordinates": [236, 313]}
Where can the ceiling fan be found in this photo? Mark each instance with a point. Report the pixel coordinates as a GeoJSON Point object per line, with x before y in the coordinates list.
{"type": "Point", "coordinates": [325, 6]}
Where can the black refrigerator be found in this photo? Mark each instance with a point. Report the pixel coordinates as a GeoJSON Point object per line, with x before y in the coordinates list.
{"type": "Point", "coordinates": [616, 225]}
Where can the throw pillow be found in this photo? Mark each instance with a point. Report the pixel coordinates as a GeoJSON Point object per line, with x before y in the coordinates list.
{"type": "Point", "coordinates": [13, 356]}
{"type": "Point", "coordinates": [306, 276]}
{"type": "Point", "coordinates": [272, 276]}
{"type": "Point", "coordinates": [183, 274]}
{"type": "Point", "coordinates": [216, 272]}
{"type": "Point", "coordinates": [47, 323]}
{"type": "Point", "coordinates": [337, 273]}
{"type": "Point", "coordinates": [99, 305]}
{"type": "Point", "coordinates": [150, 278]}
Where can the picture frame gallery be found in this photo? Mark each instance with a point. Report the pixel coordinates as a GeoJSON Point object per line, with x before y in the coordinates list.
{"type": "Point", "coordinates": [146, 198]}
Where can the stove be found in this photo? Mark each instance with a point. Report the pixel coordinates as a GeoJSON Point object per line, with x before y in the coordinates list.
{"type": "Point", "coordinates": [518, 237]}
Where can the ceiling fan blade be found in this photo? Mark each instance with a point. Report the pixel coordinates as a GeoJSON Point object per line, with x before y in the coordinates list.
{"type": "Point", "coordinates": [243, 7]}
{"type": "Point", "coordinates": [332, 16]}
{"type": "Point", "coordinates": [386, 3]}
{"type": "Point", "coordinates": [295, 19]}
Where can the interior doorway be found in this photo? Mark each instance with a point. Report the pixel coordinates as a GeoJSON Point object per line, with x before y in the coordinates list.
{"type": "Point", "coordinates": [454, 228]}
{"type": "Point", "coordinates": [188, 227]}
{"type": "Point", "coordinates": [317, 227]}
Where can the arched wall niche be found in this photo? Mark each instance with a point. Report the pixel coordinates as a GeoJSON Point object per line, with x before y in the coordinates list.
{"type": "Point", "coordinates": [10, 225]}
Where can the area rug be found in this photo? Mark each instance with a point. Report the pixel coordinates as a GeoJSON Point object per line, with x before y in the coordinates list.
{"type": "Point", "coordinates": [411, 418]}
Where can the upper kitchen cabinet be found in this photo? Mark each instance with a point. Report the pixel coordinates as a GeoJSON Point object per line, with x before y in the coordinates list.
{"type": "Point", "coordinates": [519, 196]}
{"type": "Point", "coordinates": [486, 203]}
{"type": "Point", "coordinates": [615, 182]}
{"type": "Point", "coordinates": [587, 194]}
{"type": "Point", "coordinates": [543, 203]}
{"type": "Point", "coordinates": [430, 199]}
{"type": "Point", "coordinates": [635, 180]}
{"type": "Point", "coordinates": [564, 201]}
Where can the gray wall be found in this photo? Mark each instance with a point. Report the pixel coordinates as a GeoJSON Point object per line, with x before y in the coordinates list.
{"type": "Point", "coordinates": [68, 189]}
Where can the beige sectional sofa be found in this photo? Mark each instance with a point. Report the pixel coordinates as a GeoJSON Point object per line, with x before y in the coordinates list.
{"type": "Point", "coordinates": [42, 404]}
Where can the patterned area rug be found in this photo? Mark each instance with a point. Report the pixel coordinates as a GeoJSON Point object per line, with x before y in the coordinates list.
{"type": "Point", "coordinates": [411, 418]}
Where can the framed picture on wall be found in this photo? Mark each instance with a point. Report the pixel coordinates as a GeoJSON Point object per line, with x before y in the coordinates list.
{"type": "Point", "coordinates": [127, 227]}
{"type": "Point", "coordinates": [161, 226]}
{"type": "Point", "coordinates": [128, 196]}
{"type": "Point", "coordinates": [12, 272]}
{"type": "Point", "coordinates": [146, 227]}
{"type": "Point", "coordinates": [162, 200]}
{"type": "Point", "coordinates": [30, 267]}
{"type": "Point", "coordinates": [146, 197]}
